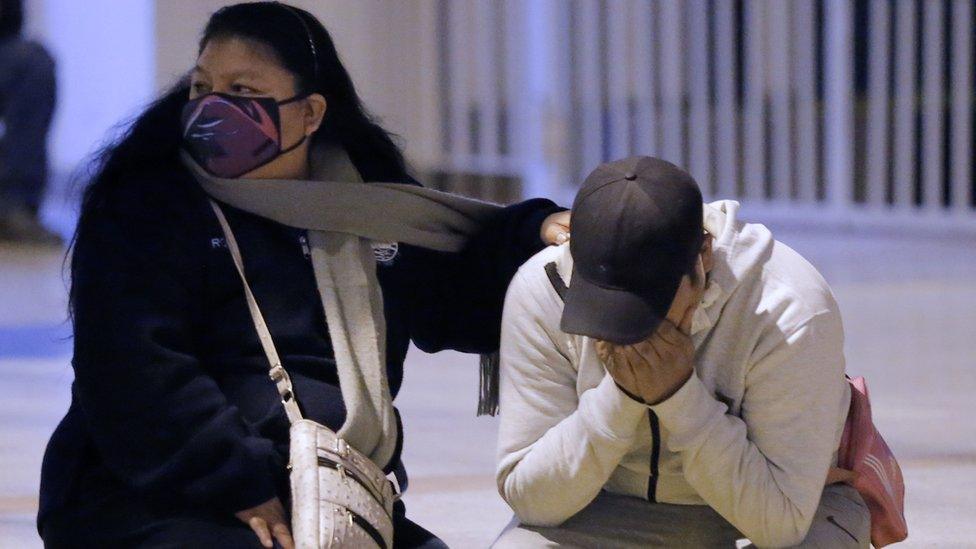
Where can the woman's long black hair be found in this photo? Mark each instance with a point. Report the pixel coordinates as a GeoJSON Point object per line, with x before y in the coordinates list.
{"type": "Point", "coordinates": [153, 139]}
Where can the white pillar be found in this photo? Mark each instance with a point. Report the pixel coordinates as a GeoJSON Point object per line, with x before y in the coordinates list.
{"type": "Point", "coordinates": [539, 93]}
{"type": "Point", "coordinates": [839, 105]}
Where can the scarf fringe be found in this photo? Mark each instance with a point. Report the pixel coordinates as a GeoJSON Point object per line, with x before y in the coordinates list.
{"type": "Point", "coordinates": [488, 395]}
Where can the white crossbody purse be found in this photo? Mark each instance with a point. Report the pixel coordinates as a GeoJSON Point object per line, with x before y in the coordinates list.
{"type": "Point", "coordinates": [339, 497]}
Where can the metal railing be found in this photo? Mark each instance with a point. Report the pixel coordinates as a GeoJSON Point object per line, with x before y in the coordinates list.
{"type": "Point", "coordinates": [844, 110]}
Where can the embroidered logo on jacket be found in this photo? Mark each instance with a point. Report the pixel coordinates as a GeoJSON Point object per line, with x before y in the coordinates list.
{"type": "Point", "coordinates": [385, 252]}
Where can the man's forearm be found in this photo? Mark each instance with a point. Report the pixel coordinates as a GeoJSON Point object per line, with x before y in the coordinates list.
{"type": "Point", "coordinates": [561, 472]}
{"type": "Point", "coordinates": [771, 504]}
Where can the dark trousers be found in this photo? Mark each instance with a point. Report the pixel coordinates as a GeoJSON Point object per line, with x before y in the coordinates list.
{"type": "Point", "coordinates": [137, 526]}
{"type": "Point", "coordinates": [27, 98]}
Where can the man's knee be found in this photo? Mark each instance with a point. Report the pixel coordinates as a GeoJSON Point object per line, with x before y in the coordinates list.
{"type": "Point", "coordinates": [523, 538]}
{"type": "Point", "coordinates": [516, 536]}
{"type": "Point", "coordinates": [842, 520]}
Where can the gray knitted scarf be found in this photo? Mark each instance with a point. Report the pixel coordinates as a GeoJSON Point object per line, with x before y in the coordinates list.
{"type": "Point", "coordinates": [344, 217]}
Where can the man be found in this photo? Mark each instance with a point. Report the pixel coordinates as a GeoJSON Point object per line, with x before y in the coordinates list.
{"type": "Point", "coordinates": [27, 97]}
{"type": "Point", "coordinates": [672, 377]}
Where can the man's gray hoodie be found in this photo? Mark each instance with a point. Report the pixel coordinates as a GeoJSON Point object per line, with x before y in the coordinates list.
{"type": "Point", "coordinates": [751, 434]}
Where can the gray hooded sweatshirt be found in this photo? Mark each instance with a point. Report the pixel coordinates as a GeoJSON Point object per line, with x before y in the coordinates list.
{"type": "Point", "coordinates": [751, 434]}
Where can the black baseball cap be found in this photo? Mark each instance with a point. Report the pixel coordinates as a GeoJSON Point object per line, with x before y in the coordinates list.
{"type": "Point", "coordinates": [637, 230]}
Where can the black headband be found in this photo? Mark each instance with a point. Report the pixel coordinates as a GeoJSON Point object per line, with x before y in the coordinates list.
{"type": "Point", "coordinates": [308, 34]}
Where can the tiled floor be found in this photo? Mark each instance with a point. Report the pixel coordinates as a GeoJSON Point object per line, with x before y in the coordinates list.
{"type": "Point", "coordinates": [909, 306]}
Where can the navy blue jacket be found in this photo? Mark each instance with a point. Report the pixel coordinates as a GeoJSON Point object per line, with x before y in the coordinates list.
{"type": "Point", "coordinates": [171, 404]}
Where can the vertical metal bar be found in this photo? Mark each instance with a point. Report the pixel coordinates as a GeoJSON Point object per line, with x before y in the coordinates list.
{"type": "Point", "coordinates": [521, 89]}
{"type": "Point", "coordinates": [933, 103]}
{"type": "Point", "coordinates": [644, 74]}
{"type": "Point", "coordinates": [503, 69]}
{"type": "Point", "coordinates": [459, 95]}
{"type": "Point", "coordinates": [589, 80]}
{"type": "Point", "coordinates": [961, 152]}
{"type": "Point", "coordinates": [486, 83]}
{"type": "Point", "coordinates": [781, 137]}
{"type": "Point", "coordinates": [878, 103]}
{"type": "Point", "coordinates": [905, 103]}
{"type": "Point", "coordinates": [754, 123]}
{"type": "Point", "coordinates": [726, 146]}
{"type": "Point", "coordinates": [430, 151]}
{"type": "Point", "coordinates": [699, 119]}
{"type": "Point", "coordinates": [672, 81]}
{"type": "Point", "coordinates": [618, 80]}
{"type": "Point", "coordinates": [839, 103]}
{"type": "Point", "coordinates": [804, 76]}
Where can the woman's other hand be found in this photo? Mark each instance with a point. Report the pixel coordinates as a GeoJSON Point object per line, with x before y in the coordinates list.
{"type": "Point", "coordinates": [555, 229]}
{"type": "Point", "coordinates": [269, 523]}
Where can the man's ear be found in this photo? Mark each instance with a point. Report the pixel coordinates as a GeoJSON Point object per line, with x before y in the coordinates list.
{"type": "Point", "coordinates": [683, 297]}
{"type": "Point", "coordinates": [701, 275]}
{"type": "Point", "coordinates": [708, 260]}
{"type": "Point", "coordinates": [316, 105]}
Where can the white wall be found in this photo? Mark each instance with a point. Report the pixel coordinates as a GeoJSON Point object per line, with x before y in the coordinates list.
{"type": "Point", "coordinates": [105, 67]}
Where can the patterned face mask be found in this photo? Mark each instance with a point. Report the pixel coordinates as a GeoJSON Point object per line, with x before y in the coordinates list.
{"type": "Point", "coordinates": [230, 135]}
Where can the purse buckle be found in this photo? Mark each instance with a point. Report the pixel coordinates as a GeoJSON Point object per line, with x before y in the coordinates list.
{"type": "Point", "coordinates": [276, 373]}
{"type": "Point", "coordinates": [394, 486]}
{"type": "Point", "coordinates": [341, 448]}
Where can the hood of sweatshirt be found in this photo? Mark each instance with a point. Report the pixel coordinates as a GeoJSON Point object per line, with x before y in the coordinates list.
{"type": "Point", "coordinates": [739, 250]}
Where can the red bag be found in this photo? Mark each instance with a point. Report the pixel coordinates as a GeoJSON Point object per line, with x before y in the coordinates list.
{"type": "Point", "coordinates": [877, 474]}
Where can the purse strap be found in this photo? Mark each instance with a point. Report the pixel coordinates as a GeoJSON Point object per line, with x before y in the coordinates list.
{"type": "Point", "coordinates": [277, 372]}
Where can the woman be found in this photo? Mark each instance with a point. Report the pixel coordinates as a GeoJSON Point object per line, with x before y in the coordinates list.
{"type": "Point", "coordinates": [175, 435]}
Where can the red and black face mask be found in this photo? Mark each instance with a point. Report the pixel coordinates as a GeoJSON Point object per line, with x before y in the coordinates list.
{"type": "Point", "coordinates": [231, 135]}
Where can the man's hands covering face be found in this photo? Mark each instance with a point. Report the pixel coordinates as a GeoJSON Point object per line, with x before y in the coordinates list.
{"type": "Point", "coordinates": [654, 369]}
